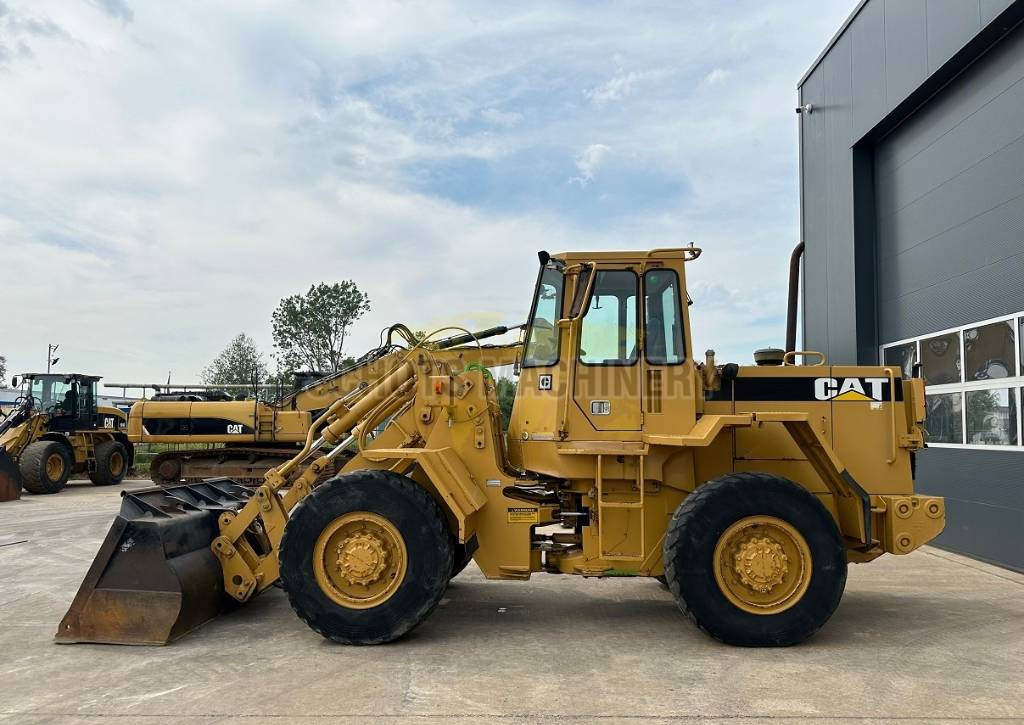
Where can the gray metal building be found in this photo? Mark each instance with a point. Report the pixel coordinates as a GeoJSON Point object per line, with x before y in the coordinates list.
{"type": "Point", "coordinates": [912, 211]}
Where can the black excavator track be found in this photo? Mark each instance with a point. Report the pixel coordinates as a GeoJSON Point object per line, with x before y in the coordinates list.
{"type": "Point", "coordinates": [245, 466]}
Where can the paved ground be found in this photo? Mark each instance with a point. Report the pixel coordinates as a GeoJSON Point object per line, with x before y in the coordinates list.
{"type": "Point", "coordinates": [927, 638]}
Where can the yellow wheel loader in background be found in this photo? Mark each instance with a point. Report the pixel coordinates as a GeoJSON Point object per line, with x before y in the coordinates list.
{"type": "Point", "coordinates": [253, 436]}
{"type": "Point", "coordinates": [56, 429]}
{"type": "Point", "coordinates": [749, 488]}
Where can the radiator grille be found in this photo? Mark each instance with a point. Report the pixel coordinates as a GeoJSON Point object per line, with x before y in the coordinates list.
{"type": "Point", "coordinates": [654, 391]}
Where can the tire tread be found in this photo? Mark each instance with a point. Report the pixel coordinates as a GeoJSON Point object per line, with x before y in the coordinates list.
{"type": "Point", "coordinates": [437, 523]}
{"type": "Point", "coordinates": [678, 537]}
{"type": "Point", "coordinates": [32, 464]}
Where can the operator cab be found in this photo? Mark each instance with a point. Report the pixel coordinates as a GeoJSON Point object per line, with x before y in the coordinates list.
{"type": "Point", "coordinates": [607, 353]}
{"type": "Point", "coordinates": [69, 399]}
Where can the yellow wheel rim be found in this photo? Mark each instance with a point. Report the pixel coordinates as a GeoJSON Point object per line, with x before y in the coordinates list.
{"type": "Point", "coordinates": [762, 565]}
{"type": "Point", "coordinates": [360, 560]}
{"type": "Point", "coordinates": [116, 463]}
{"type": "Point", "coordinates": [54, 467]}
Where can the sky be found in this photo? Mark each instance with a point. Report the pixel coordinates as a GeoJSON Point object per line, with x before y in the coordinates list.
{"type": "Point", "coordinates": [170, 171]}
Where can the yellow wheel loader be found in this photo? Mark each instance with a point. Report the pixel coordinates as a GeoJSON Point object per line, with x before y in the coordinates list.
{"type": "Point", "coordinates": [56, 429]}
{"type": "Point", "coordinates": [748, 488]}
{"type": "Point", "coordinates": [250, 436]}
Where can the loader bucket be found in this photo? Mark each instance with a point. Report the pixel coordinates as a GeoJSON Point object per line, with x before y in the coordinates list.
{"type": "Point", "coordinates": [10, 478]}
{"type": "Point", "coordinates": [155, 578]}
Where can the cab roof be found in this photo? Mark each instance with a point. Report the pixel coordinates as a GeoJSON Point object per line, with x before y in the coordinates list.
{"type": "Point", "coordinates": [62, 376]}
{"type": "Point", "coordinates": [633, 255]}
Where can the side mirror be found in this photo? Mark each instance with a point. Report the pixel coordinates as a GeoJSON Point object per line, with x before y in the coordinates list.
{"type": "Point", "coordinates": [581, 294]}
{"type": "Point", "coordinates": [14, 381]}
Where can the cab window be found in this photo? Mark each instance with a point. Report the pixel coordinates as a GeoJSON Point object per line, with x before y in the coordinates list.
{"type": "Point", "coordinates": [609, 332]}
{"type": "Point", "coordinates": [663, 318]}
{"type": "Point", "coordinates": [50, 393]}
{"type": "Point", "coordinates": [543, 337]}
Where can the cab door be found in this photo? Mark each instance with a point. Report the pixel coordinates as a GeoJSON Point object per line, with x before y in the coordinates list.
{"type": "Point", "coordinates": [669, 398]}
{"type": "Point", "coordinates": [607, 386]}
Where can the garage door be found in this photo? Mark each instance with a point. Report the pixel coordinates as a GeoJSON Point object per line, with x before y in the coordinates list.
{"type": "Point", "coordinates": [949, 185]}
{"type": "Point", "coordinates": [950, 203]}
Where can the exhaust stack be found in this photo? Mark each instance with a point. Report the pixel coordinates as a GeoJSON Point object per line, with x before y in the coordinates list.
{"type": "Point", "coordinates": [794, 295]}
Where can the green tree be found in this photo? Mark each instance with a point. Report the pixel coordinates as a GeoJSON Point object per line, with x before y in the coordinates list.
{"type": "Point", "coordinates": [240, 363]}
{"type": "Point", "coordinates": [310, 329]}
{"type": "Point", "coordinates": [278, 383]}
{"type": "Point", "coordinates": [3, 370]}
{"type": "Point", "coordinates": [506, 390]}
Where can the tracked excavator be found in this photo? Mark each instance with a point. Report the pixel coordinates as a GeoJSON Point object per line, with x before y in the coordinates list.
{"type": "Point", "coordinates": [748, 488]}
{"type": "Point", "coordinates": [243, 439]}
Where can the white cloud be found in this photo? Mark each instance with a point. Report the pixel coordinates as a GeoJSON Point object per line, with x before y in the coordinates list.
{"type": "Point", "coordinates": [171, 171]}
{"type": "Point", "coordinates": [587, 162]}
{"type": "Point", "coordinates": [505, 119]}
{"type": "Point", "coordinates": [615, 89]}
{"type": "Point", "coordinates": [717, 75]}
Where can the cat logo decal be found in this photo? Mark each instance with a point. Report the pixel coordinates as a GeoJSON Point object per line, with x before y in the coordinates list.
{"type": "Point", "coordinates": [857, 389]}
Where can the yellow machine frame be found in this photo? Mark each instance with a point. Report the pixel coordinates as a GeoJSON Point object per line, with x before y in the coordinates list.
{"type": "Point", "coordinates": [601, 456]}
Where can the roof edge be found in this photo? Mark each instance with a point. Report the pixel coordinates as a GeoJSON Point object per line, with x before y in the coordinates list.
{"type": "Point", "coordinates": [831, 43]}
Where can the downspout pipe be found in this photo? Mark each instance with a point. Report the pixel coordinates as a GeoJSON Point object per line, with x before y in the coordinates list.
{"type": "Point", "coordinates": [794, 294]}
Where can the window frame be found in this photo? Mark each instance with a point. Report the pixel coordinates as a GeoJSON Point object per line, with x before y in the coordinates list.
{"type": "Point", "coordinates": [637, 313]}
{"type": "Point", "coordinates": [1014, 383]}
{"type": "Point", "coordinates": [532, 320]}
{"type": "Point", "coordinates": [682, 318]}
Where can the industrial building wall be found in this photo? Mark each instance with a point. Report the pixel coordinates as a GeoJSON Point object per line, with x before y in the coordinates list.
{"type": "Point", "coordinates": [912, 183]}
{"type": "Point", "coordinates": [949, 196]}
{"type": "Point", "coordinates": [886, 54]}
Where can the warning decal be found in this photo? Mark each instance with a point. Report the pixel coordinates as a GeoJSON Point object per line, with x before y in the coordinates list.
{"type": "Point", "coordinates": [523, 515]}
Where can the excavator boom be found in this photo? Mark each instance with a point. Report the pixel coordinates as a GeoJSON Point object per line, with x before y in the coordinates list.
{"type": "Point", "coordinates": [252, 437]}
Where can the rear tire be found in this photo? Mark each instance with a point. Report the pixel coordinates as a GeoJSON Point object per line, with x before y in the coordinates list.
{"type": "Point", "coordinates": [366, 557]}
{"type": "Point", "coordinates": [45, 466]}
{"type": "Point", "coordinates": [755, 560]}
{"type": "Point", "coordinates": [111, 463]}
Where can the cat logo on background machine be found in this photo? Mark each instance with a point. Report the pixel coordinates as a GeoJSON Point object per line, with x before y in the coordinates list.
{"type": "Point", "coordinates": [859, 389]}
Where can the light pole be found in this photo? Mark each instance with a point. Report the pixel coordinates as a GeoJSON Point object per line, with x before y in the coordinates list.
{"type": "Point", "coordinates": [50, 359]}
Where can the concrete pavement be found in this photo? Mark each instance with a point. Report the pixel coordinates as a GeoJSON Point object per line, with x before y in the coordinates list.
{"type": "Point", "coordinates": [931, 637]}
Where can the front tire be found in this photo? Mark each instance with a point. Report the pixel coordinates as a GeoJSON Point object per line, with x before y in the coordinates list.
{"type": "Point", "coordinates": [45, 466]}
{"type": "Point", "coordinates": [755, 560]}
{"type": "Point", "coordinates": [366, 557]}
{"type": "Point", "coordinates": [111, 463]}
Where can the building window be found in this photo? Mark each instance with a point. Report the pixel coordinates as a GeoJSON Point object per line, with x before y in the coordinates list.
{"type": "Point", "coordinates": [992, 417]}
{"type": "Point", "coordinates": [903, 356]}
{"type": "Point", "coordinates": [940, 359]}
{"type": "Point", "coordinates": [990, 351]}
{"type": "Point", "coordinates": [973, 377]}
{"type": "Point", "coordinates": [945, 417]}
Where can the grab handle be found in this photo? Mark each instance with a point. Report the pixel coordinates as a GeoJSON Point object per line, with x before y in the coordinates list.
{"type": "Point", "coordinates": [790, 357]}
